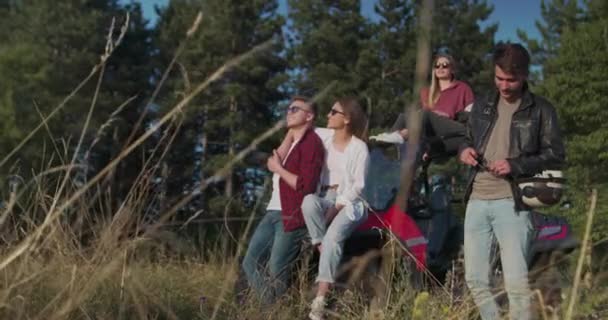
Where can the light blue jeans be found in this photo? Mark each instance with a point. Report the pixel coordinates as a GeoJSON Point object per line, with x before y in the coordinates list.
{"type": "Point", "coordinates": [486, 221]}
{"type": "Point", "coordinates": [270, 257]}
{"type": "Point", "coordinates": [330, 237]}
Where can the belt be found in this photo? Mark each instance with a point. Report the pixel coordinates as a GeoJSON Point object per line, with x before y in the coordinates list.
{"type": "Point", "coordinates": [329, 187]}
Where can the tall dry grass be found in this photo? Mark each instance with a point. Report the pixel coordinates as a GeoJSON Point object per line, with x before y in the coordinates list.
{"type": "Point", "coordinates": [60, 262]}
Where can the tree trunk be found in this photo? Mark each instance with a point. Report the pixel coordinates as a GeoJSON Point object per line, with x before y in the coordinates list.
{"type": "Point", "coordinates": [229, 188]}
{"type": "Point", "coordinates": [204, 144]}
{"type": "Point", "coordinates": [201, 227]}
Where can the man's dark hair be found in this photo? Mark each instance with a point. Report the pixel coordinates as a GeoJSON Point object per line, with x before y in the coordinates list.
{"type": "Point", "coordinates": [308, 101]}
{"type": "Point", "coordinates": [512, 58]}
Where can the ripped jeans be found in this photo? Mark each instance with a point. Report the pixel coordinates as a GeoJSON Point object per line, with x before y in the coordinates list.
{"type": "Point", "coordinates": [332, 236]}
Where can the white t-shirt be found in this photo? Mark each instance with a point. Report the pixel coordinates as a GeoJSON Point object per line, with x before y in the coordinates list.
{"type": "Point", "coordinates": [275, 197]}
{"type": "Point", "coordinates": [336, 165]}
{"type": "Point", "coordinates": [351, 180]}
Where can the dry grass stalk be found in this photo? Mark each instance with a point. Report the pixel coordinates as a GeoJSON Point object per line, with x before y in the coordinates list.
{"type": "Point", "coordinates": [233, 267]}
{"type": "Point", "coordinates": [584, 247]}
{"type": "Point", "coordinates": [97, 68]}
{"type": "Point", "coordinates": [48, 130]}
{"type": "Point", "coordinates": [542, 305]}
{"type": "Point", "coordinates": [191, 31]}
{"type": "Point", "coordinates": [103, 128]}
{"type": "Point", "coordinates": [24, 246]}
{"type": "Point", "coordinates": [110, 249]}
{"type": "Point", "coordinates": [413, 124]}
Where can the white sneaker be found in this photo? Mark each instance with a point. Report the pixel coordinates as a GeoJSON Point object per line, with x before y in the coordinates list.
{"type": "Point", "coordinates": [390, 137]}
{"type": "Point", "coordinates": [317, 308]}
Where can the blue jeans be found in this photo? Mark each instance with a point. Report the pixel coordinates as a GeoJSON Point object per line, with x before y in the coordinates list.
{"type": "Point", "coordinates": [270, 256]}
{"type": "Point", "coordinates": [330, 237]}
{"type": "Point", "coordinates": [486, 221]}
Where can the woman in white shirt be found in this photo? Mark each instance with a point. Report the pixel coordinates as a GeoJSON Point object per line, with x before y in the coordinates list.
{"type": "Point", "coordinates": [333, 214]}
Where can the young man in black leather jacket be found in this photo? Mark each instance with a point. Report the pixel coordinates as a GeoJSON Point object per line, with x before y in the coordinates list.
{"type": "Point", "coordinates": [510, 134]}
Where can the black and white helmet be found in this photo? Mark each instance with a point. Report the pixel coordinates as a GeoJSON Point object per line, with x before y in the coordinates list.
{"type": "Point", "coordinates": [542, 190]}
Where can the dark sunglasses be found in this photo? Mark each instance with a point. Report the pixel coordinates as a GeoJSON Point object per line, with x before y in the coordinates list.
{"type": "Point", "coordinates": [334, 111]}
{"type": "Point", "coordinates": [294, 109]}
{"type": "Point", "coordinates": [482, 163]}
{"type": "Point", "coordinates": [444, 65]}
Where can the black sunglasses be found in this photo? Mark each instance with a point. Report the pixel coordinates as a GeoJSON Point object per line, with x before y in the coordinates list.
{"type": "Point", "coordinates": [482, 163]}
{"type": "Point", "coordinates": [334, 111]}
{"type": "Point", "coordinates": [294, 109]}
{"type": "Point", "coordinates": [444, 65]}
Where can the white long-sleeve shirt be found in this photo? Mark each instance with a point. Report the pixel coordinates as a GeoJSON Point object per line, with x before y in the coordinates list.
{"type": "Point", "coordinates": [356, 155]}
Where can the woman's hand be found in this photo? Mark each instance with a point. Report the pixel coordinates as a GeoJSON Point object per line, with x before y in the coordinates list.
{"type": "Point", "coordinates": [332, 212]}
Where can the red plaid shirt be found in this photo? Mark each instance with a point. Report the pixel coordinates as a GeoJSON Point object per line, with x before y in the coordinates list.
{"type": "Point", "coordinates": [306, 161]}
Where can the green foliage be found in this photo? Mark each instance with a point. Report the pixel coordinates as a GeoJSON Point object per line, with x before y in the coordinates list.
{"type": "Point", "coordinates": [325, 42]}
{"type": "Point", "coordinates": [558, 16]}
{"type": "Point", "coordinates": [51, 47]}
{"type": "Point", "coordinates": [575, 82]}
{"type": "Point", "coordinates": [331, 43]}
{"type": "Point", "coordinates": [388, 59]}
{"type": "Point", "coordinates": [47, 47]}
{"type": "Point", "coordinates": [242, 104]}
{"type": "Point", "coordinates": [572, 77]}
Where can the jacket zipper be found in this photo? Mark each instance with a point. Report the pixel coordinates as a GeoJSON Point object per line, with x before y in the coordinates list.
{"type": "Point", "coordinates": [486, 137]}
{"type": "Point", "coordinates": [488, 131]}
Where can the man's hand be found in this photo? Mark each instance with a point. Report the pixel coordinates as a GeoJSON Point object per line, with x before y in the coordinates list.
{"type": "Point", "coordinates": [274, 163]}
{"type": "Point", "coordinates": [425, 156]}
{"type": "Point", "coordinates": [469, 156]}
{"type": "Point", "coordinates": [500, 167]}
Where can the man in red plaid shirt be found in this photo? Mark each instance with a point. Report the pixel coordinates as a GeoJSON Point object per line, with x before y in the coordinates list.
{"type": "Point", "coordinates": [275, 243]}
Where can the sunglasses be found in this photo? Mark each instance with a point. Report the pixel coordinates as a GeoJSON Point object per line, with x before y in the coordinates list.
{"type": "Point", "coordinates": [294, 109]}
{"type": "Point", "coordinates": [482, 163]}
{"type": "Point", "coordinates": [334, 111]}
{"type": "Point", "coordinates": [444, 65]}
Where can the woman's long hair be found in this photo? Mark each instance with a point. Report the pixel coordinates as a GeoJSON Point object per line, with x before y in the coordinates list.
{"type": "Point", "coordinates": [435, 90]}
{"type": "Point", "coordinates": [357, 125]}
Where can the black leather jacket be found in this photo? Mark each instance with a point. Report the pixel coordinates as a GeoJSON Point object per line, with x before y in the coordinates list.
{"type": "Point", "coordinates": [536, 140]}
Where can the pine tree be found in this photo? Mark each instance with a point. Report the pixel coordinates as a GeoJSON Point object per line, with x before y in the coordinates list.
{"type": "Point", "coordinates": [571, 78]}
{"type": "Point", "coordinates": [331, 42]}
{"type": "Point", "coordinates": [391, 59]}
{"type": "Point", "coordinates": [558, 16]}
{"type": "Point", "coordinates": [325, 41]}
{"type": "Point", "coordinates": [237, 107]}
{"type": "Point", "coordinates": [570, 71]}
{"type": "Point", "coordinates": [50, 49]}
{"type": "Point", "coordinates": [575, 82]}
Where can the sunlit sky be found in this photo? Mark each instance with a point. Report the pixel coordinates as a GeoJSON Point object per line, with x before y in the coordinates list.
{"type": "Point", "coordinates": [509, 14]}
